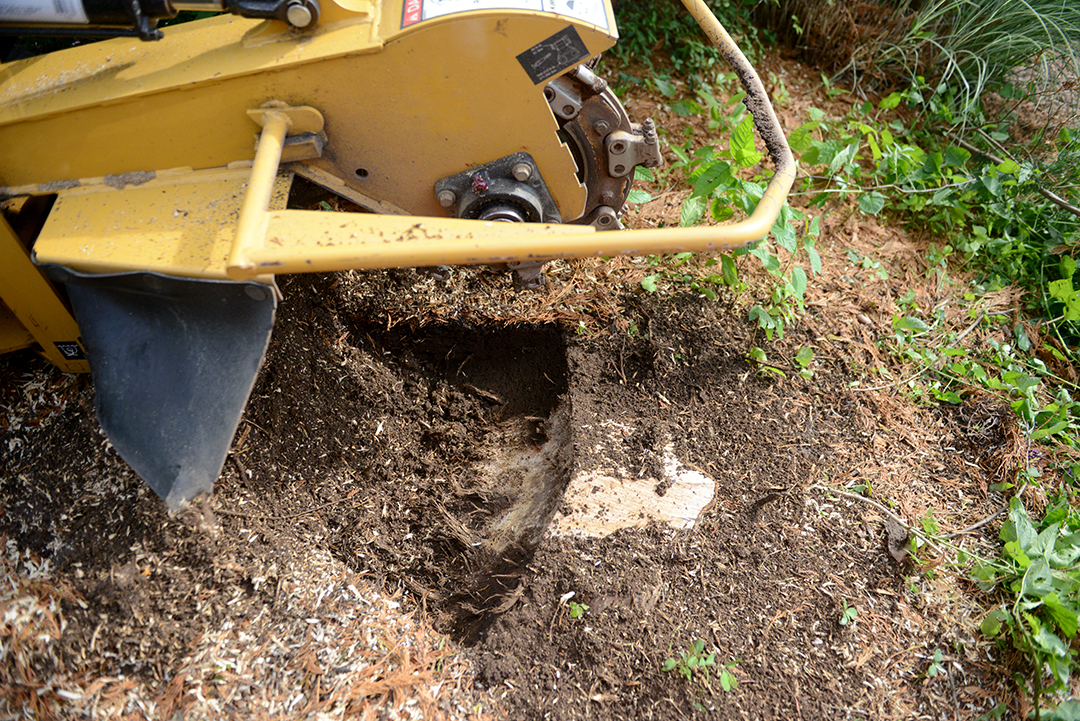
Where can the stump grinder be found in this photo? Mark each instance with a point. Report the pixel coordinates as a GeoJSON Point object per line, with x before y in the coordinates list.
{"type": "Point", "coordinates": [145, 179]}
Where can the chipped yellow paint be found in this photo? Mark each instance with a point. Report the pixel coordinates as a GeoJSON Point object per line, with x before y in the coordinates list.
{"type": "Point", "coordinates": [178, 223]}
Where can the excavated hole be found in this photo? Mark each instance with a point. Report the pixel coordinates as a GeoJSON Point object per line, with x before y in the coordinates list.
{"type": "Point", "coordinates": [496, 451]}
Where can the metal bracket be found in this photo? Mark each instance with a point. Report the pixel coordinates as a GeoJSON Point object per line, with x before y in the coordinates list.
{"type": "Point", "coordinates": [277, 120]}
{"type": "Point", "coordinates": [640, 146]}
{"type": "Point", "coordinates": [510, 189]}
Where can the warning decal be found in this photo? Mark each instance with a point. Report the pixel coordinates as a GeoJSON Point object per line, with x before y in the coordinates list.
{"type": "Point", "coordinates": [548, 57]}
{"type": "Point", "coordinates": [590, 11]}
{"type": "Point", "coordinates": [70, 350]}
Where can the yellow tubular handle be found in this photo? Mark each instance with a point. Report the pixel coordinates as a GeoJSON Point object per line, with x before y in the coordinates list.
{"type": "Point", "coordinates": [250, 228]}
{"type": "Point", "coordinates": [437, 241]}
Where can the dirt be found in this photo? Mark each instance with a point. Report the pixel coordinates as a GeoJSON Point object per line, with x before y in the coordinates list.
{"type": "Point", "coordinates": [428, 447]}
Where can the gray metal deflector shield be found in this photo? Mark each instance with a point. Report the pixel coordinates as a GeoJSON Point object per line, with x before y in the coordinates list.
{"type": "Point", "coordinates": [173, 362]}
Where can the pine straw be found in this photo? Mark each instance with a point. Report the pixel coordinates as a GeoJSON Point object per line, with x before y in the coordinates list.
{"type": "Point", "coordinates": [330, 647]}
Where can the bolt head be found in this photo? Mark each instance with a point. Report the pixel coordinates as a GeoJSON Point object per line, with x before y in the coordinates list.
{"type": "Point", "coordinates": [521, 172]}
{"type": "Point", "coordinates": [602, 126]}
{"type": "Point", "coordinates": [447, 198]}
{"type": "Point", "coordinates": [299, 15]}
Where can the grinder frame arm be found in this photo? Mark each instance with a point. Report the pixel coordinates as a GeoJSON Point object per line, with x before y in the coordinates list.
{"type": "Point", "coordinates": [137, 18]}
{"type": "Point", "coordinates": [375, 241]}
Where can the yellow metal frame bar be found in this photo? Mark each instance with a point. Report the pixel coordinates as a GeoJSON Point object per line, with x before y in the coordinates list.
{"type": "Point", "coordinates": [386, 243]}
{"type": "Point", "coordinates": [32, 299]}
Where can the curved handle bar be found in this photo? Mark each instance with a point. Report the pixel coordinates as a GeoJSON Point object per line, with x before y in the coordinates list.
{"type": "Point", "coordinates": [464, 242]}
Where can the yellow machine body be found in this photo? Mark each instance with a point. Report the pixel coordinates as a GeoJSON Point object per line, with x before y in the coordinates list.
{"type": "Point", "coordinates": [151, 182]}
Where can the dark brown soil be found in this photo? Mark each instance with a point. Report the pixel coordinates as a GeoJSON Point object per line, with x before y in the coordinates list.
{"type": "Point", "coordinates": [371, 436]}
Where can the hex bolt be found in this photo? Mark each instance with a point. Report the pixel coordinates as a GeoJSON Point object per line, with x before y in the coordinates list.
{"type": "Point", "coordinates": [521, 172]}
{"type": "Point", "coordinates": [447, 198]}
{"type": "Point", "coordinates": [602, 126]}
{"type": "Point", "coordinates": [608, 197]}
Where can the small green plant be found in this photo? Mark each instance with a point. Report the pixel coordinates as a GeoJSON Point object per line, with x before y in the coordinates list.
{"type": "Point", "coordinates": [728, 682]}
{"type": "Point", "coordinates": [577, 610]}
{"type": "Point", "coordinates": [936, 668]}
{"type": "Point", "coordinates": [848, 614]}
{"type": "Point", "coordinates": [694, 660]}
{"type": "Point", "coordinates": [1039, 576]}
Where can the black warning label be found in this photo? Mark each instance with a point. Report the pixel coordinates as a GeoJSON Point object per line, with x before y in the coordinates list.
{"type": "Point", "coordinates": [548, 57]}
{"type": "Point", "coordinates": [70, 350]}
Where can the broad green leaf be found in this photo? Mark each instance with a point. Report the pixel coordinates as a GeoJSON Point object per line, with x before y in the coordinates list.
{"type": "Point", "coordinates": [1068, 266]}
{"type": "Point", "coordinates": [742, 144]}
{"type": "Point", "coordinates": [686, 108]}
{"type": "Point", "coordinates": [643, 173]}
{"type": "Point", "coordinates": [728, 270]}
{"type": "Point", "coordinates": [798, 281]}
{"type": "Point", "coordinates": [1037, 579]}
{"type": "Point", "coordinates": [844, 157]}
{"type": "Point", "coordinates": [649, 283]}
{"type": "Point", "coordinates": [909, 322]}
{"type": "Point", "coordinates": [770, 262]}
{"type": "Point", "coordinates": [957, 157]}
{"type": "Point", "coordinates": [1050, 643]}
{"type": "Point", "coordinates": [785, 236]}
{"type": "Point", "coordinates": [692, 210]}
{"type": "Point", "coordinates": [1068, 710]}
{"type": "Point", "coordinates": [666, 88]}
{"type": "Point", "coordinates": [802, 137]}
{"type": "Point", "coordinates": [1063, 616]}
{"type": "Point", "coordinates": [805, 356]}
{"type": "Point", "coordinates": [680, 154]}
{"type": "Point", "coordinates": [991, 625]}
{"type": "Point", "coordinates": [874, 149]}
{"type": "Point", "coordinates": [891, 101]}
{"type": "Point", "coordinates": [871, 203]}
{"type": "Point", "coordinates": [717, 175]}
{"type": "Point", "coordinates": [1009, 167]}
{"type": "Point", "coordinates": [721, 211]}
{"type": "Point", "coordinates": [638, 196]}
